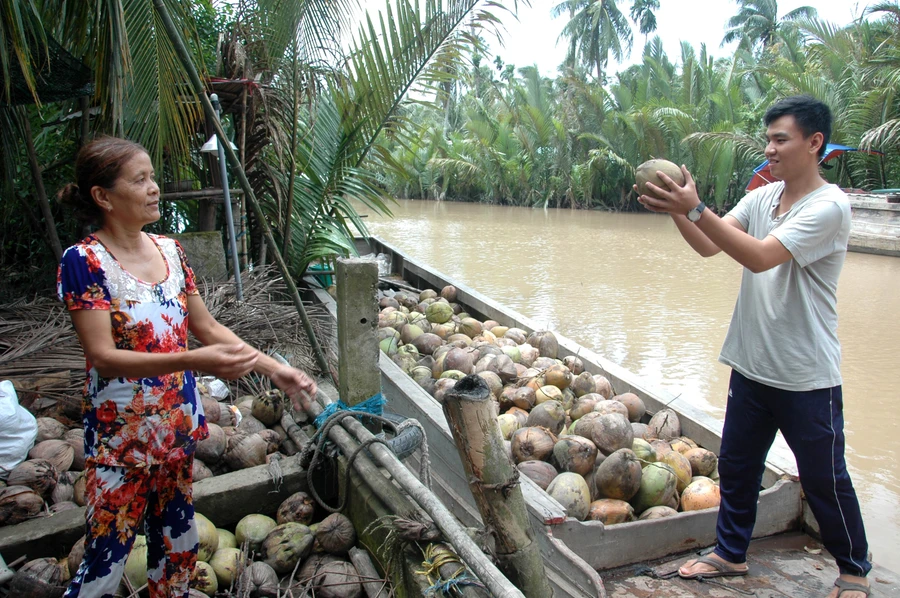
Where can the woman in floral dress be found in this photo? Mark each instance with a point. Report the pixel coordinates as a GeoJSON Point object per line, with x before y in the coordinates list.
{"type": "Point", "coordinates": [132, 299]}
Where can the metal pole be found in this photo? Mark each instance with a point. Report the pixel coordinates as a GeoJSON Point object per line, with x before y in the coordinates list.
{"type": "Point", "coordinates": [232, 242]}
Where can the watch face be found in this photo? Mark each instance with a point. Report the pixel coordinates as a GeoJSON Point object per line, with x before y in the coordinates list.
{"type": "Point", "coordinates": [694, 215]}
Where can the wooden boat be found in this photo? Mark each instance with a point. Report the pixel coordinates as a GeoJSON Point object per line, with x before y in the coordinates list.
{"type": "Point", "coordinates": [574, 550]}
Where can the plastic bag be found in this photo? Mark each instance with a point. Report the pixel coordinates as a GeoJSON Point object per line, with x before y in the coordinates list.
{"type": "Point", "coordinates": [18, 430]}
{"type": "Point", "coordinates": [383, 261]}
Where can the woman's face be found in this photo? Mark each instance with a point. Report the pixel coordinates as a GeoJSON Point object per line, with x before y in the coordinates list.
{"type": "Point", "coordinates": [134, 198]}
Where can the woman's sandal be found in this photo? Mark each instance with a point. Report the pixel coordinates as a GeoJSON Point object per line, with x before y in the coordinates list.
{"type": "Point", "coordinates": [849, 586]}
{"type": "Point", "coordinates": [722, 569]}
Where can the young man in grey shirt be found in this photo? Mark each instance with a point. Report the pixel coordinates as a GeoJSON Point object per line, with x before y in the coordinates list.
{"type": "Point", "coordinates": [782, 345]}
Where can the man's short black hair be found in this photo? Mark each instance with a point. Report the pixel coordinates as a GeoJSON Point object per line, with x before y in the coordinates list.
{"type": "Point", "coordinates": [812, 116]}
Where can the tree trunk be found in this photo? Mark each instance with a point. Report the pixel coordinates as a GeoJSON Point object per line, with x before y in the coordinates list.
{"type": "Point", "coordinates": [493, 480]}
{"type": "Point", "coordinates": [39, 190]}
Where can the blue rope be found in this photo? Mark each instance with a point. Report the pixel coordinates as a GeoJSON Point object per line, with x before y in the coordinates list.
{"type": "Point", "coordinates": [444, 587]}
{"type": "Point", "coordinates": [373, 405]}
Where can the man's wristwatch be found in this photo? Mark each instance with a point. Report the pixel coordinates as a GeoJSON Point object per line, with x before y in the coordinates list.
{"type": "Point", "coordinates": [694, 215]}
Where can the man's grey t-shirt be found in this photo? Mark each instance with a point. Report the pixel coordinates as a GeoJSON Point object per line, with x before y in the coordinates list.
{"type": "Point", "coordinates": [784, 329]}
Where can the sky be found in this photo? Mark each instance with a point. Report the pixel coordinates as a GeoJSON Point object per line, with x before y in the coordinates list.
{"type": "Point", "coordinates": [532, 40]}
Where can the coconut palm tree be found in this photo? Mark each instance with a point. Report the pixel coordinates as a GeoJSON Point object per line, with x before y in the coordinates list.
{"type": "Point", "coordinates": [644, 15]}
{"type": "Point", "coordinates": [596, 30]}
{"type": "Point", "coordinates": [757, 23]}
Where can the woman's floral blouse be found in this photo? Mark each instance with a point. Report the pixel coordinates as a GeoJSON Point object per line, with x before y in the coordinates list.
{"type": "Point", "coordinates": [135, 422]}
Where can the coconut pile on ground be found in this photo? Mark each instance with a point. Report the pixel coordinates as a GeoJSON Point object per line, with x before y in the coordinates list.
{"type": "Point", "coordinates": [291, 554]}
{"type": "Point", "coordinates": [598, 453]}
{"type": "Point", "coordinates": [51, 479]}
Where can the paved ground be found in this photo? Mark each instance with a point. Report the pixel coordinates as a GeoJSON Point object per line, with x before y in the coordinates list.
{"type": "Point", "coordinates": [785, 566]}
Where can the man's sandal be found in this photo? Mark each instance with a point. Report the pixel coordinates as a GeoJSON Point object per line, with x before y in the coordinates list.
{"type": "Point", "coordinates": [849, 586]}
{"type": "Point", "coordinates": [722, 569]}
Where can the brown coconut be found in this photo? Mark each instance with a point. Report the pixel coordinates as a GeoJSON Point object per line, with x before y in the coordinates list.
{"type": "Point", "coordinates": [610, 511]}
{"type": "Point", "coordinates": [250, 425]}
{"type": "Point", "coordinates": [199, 471]}
{"type": "Point", "coordinates": [664, 425]}
{"type": "Point", "coordinates": [211, 449]}
{"type": "Point", "coordinates": [703, 462]}
{"type": "Point", "coordinates": [79, 484]}
{"type": "Point", "coordinates": [337, 579]}
{"type": "Point", "coordinates": [260, 580]}
{"type": "Point", "coordinates": [648, 171]}
{"type": "Point", "coordinates": [575, 453]}
{"type": "Point", "coordinates": [335, 534]}
{"type": "Point", "coordinates": [64, 490]}
{"type": "Point", "coordinates": [583, 384]}
{"type": "Point", "coordinates": [40, 475]}
{"type": "Point", "coordinates": [298, 507]}
{"type": "Point", "coordinates": [550, 415]}
{"type": "Point", "coordinates": [618, 476]}
{"type": "Point", "coordinates": [545, 342]}
{"type": "Point", "coordinates": [212, 410]}
{"type": "Point", "coordinates": [603, 385]}
{"type": "Point", "coordinates": [38, 578]}
{"type": "Point", "coordinates": [245, 450]}
{"type": "Point", "coordinates": [558, 375]}
{"type": "Point", "coordinates": [611, 432]}
{"type": "Point", "coordinates": [49, 429]}
{"type": "Point", "coordinates": [575, 365]}
{"type": "Point", "coordinates": [57, 451]}
{"type": "Point", "coordinates": [634, 404]}
{"type": "Point", "coordinates": [73, 561]}
{"type": "Point", "coordinates": [75, 438]}
{"type": "Point", "coordinates": [532, 443]}
{"type": "Point", "coordinates": [611, 406]}
{"type": "Point", "coordinates": [18, 503]}
{"type": "Point", "coordinates": [540, 472]}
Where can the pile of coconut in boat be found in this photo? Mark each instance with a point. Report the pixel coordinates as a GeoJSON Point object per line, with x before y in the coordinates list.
{"type": "Point", "coordinates": [263, 557]}
{"type": "Point", "coordinates": [51, 479]}
{"type": "Point", "coordinates": [598, 453]}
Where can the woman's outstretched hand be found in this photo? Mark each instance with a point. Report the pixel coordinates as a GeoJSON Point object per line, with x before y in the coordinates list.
{"type": "Point", "coordinates": [228, 361]}
{"type": "Point", "coordinates": [296, 385]}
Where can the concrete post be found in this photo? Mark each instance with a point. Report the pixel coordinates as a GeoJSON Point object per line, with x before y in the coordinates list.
{"type": "Point", "coordinates": [357, 320]}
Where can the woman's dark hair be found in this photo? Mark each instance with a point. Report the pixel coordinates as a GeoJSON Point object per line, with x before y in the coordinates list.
{"type": "Point", "coordinates": [99, 163]}
{"type": "Point", "coordinates": [812, 116]}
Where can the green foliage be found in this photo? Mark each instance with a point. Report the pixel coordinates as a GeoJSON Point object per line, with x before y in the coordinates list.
{"type": "Point", "coordinates": [573, 142]}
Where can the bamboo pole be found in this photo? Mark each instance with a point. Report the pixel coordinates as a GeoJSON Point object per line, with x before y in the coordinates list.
{"type": "Point", "coordinates": [188, 64]}
{"type": "Point", "coordinates": [493, 480]}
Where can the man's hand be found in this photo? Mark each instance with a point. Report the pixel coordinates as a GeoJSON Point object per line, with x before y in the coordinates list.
{"type": "Point", "coordinates": [296, 385]}
{"type": "Point", "coordinates": [676, 199]}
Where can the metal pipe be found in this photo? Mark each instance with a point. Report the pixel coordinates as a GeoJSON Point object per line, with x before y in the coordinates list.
{"type": "Point", "coordinates": [229, 217]}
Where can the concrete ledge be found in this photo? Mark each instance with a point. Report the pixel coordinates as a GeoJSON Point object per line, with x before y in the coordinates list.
{"type": "Point", "coordinates": [223, 499]}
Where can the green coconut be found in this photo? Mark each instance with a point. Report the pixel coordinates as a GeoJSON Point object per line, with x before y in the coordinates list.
{"type": "Point", "coordinates": [209, 537]}
{"type": "Point", "coordinates": [204, 578]}
{"type": "Point", "coordinates": [439, 312]}
{"type": "Point", "coordinates": [253, 528]}
{"type": "Point", "coordinates": [286, 545]}
{"type": "Point", "coordinates": [658, 485]}
{"type": "Point", "coordinates": [647, 173]}
{"type": "Point", "coordinates": [571, 491]}
{"type": "Point", "coordinates": [226, 562]}
{"type": "Point", "coordinates": [681, 466]}
{"type": "Point", "coordinates": [643, 450]}
{"type": "Point", "coordinates": [576, 454]}
{"type": "Point", "coordinates": [226, 539]}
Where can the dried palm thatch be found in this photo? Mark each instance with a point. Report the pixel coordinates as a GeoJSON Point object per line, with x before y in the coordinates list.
{"type": "Point", "coordinates": [41, 355]}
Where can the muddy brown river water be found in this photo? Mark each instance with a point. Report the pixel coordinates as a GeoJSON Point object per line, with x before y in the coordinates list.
{"type": "Point", "coordinates": [628, 287]}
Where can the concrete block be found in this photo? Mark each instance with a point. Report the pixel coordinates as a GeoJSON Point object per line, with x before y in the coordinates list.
{"type": "Point", "coordinates": [357, 321]}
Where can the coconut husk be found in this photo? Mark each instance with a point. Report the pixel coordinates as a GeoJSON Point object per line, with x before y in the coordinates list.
{"type": "Point", "coordinates": [79, 486]}
{"type": "Point", "coordinates": [49, 429]}
{"type": "Point", "coordinates": [245, 450]}
{"type": "Point", "coordinates": [40, 578]}
{"type": "Point", "coordinates": [199, 471]}
{"type": "Point", "coordinates": [63, 492]}
{"type": "Point", "coordinates": [18, 503]}
{"type": "Point", "coordinates": [75, 556]}
{"type": "Point", "coordinates": [298, 507]}
{"type": "Point", "coordinates": [38, 474]}
{"type": "Point", "coordinates": [211, 449]}
{"type": "Point", "coordinates": [211, 410]}
{"type": "Point", "coordinates": [58, 452]}
{"type": "Point", "coordinates": [335, 534]}
{"type": "Point", "coordinates": [75, 438]}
